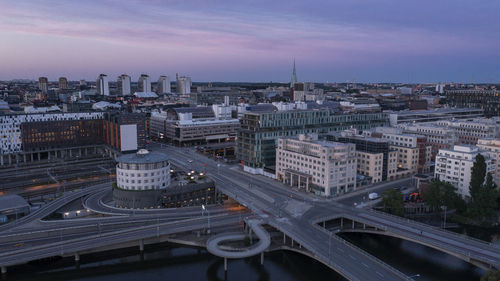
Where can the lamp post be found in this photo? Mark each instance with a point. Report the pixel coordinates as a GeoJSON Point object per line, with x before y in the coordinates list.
{"type": "Point", "coordinates": [208, 216]}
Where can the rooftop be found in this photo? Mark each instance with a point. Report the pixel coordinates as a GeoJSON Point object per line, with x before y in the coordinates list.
{"type": "Point", "coordinates": [8, 202]}
{"type": "Point", "coordinates": [142, 157]}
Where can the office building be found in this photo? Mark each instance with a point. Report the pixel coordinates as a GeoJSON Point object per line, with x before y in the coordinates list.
{"type": "Point", "coordinates": [376, 159]}
{"type": "Point", "coordinates": [43, 84]}
{"type": "Point", "coordinates": [257, 138]}
{"type": "Point", "coordinates": [195, 125]}
{"type": "Point", "coordinates": [455, 165]}
{"type": "Point", "coordinates": [488, 100]}
{"type": "Point", "coordinates": [438, 137]}
{"type": "Point", "coordinates": [470, 130]}
{"type": "Point", "coordinates": [434, 115]}
{"type": "Point", "coordinates": [125, 132]}
{"type": "Point", "coordinates": [143, 170]}
{"type": "Point", "coordinates": [144, 83]}
{"type": "Point", "coordinates": [102, 85]}
{"type": "Point", "coordinates": [123, 84]}
{"type": "Point", "coordinates": [164, 85]}
{"type": "Point", "coordinates": [323, 167]}
{"type": "Point", "coordinates": [491, 147]}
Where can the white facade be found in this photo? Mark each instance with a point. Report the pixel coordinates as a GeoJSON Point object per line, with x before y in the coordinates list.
{"type": "Point", "coordinates": [102, 85]}
{"type": "Point", "coordinates": [143, 171]}
{"type": "Point", "coordinates": [331, 166]}
{"type": "Point", "coordinates": [10, 126]}
{"type": "Point", "coordinates": [164, 85]}
{"type": "Point", "coordinates": [492, 148]}
{"type": "Point", "coordinates": [124, 84]}
{"type": "Point", "coordinates": [144, 83]}
{"type": "Point", "coordinates": [455, 166]}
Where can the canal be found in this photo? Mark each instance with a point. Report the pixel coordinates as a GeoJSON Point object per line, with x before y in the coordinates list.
{"type": "Point", "coordinates": [171, 262]}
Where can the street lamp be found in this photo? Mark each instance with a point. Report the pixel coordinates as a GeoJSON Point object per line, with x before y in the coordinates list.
{"type": "Point", "coordinates": [203, 211]}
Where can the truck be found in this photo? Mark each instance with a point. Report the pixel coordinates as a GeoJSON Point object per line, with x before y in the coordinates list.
{"type": "Point", "coordinates": [373, 196]}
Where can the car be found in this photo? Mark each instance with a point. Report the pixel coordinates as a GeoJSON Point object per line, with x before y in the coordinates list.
{"type": "Point", "coordinates": [190, 161]}
{"type": "Point", "coordinates": [373, 196]}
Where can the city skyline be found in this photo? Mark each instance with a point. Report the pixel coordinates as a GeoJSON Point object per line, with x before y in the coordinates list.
{"type": "Point", "coordinates": [211, 41]}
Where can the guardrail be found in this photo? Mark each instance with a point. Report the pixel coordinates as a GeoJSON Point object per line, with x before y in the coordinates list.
{"type": "Point", "coordinates": [436, 228]}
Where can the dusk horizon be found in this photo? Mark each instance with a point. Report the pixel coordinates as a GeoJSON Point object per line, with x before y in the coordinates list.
{"type": "Point", "coordinates": [210, 41]}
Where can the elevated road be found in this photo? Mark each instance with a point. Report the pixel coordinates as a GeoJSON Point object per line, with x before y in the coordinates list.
{"type": "Point", "coordinates": [298, 222]}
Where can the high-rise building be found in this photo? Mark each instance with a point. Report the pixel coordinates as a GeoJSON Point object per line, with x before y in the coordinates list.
{"type": "Point", "coordinates": [102, 85]}
{"type": "Point", "coordinates": [455, 166]}
{"type": "Point", "coordinates": [43, 84]}
{"type": "Point", "coordinates": [323, 167]}
{"type": "Point", "coordinates": [123, 84]}
{"type": "Point", "coordinates": [144, 83]}
{"type": "Point", "coordinates": [164, 85]}
{"type": "Point", "coordinates": [63, 83]}
{"type": "Point", "coordinates": [183, 84]}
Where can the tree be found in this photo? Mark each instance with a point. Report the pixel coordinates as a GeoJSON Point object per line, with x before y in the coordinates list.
{"type": "Point", "coordinates": [478, 173]}
{"type": "Point", "coordinates": [491, 276]}
{"type": "Point", "coordinates": [392, 201]}
{"type": "Point", "coordinates": [483, 193]}
{"type": "Point", "coordinates": [440, 193]}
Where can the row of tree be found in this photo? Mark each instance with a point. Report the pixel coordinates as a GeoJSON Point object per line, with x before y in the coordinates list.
{"type": "Point", "coordinates": [482, 206]}
{"type": "Point", "coordinates": [483, 201]}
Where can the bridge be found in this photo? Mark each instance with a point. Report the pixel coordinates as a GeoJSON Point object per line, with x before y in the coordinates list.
{"type": "Point", "coordinates": [308, 224]}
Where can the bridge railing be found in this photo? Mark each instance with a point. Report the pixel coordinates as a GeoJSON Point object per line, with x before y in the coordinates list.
{"type": "Point", "coordinates": [331, 262]}
{"type": "Point", "coordinates": [363, 252]}
{"type": "Point", "coordinates": [437, 229]}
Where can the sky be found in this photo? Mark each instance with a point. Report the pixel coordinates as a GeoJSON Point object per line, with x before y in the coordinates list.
{"type": "Point", "coordinates": [405, 41]}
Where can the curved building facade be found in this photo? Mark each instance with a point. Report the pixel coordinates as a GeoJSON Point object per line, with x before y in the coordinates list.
{"type": "Point", "coordinates": [143, 170]}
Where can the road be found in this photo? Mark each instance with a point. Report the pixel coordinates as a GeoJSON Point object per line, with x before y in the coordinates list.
{"type": "Point", "coordinates": [294, 213]}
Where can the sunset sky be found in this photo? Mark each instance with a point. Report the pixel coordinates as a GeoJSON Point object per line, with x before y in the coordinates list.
{"type": "Point", "coordinates": [331, 40]}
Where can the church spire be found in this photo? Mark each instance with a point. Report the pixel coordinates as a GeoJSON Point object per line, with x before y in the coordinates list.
{"type": "Point", "coordinates": [294, 76]}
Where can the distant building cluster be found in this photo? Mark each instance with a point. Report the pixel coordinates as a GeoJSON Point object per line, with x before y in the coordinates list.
{"type": "Point", "coordinates": [327, 138]}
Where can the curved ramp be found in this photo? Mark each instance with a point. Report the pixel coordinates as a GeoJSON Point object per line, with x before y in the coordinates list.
{"type": "Point", "coordinates": [214, 248]}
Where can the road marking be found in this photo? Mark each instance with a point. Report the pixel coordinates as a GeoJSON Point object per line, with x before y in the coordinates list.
{"type": "Point", "coordinates": [364, 264]}
{"type": "Point", "coordinates": [381, 275]}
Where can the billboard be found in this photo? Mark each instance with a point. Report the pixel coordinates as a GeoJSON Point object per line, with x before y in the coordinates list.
{"type": "Point", "coordinates": [128, 137]}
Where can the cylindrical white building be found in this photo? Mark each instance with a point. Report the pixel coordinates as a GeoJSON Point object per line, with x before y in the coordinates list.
{"type": "Point", "coordinates": [143, 170]}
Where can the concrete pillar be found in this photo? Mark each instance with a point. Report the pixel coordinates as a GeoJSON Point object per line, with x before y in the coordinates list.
{"type": "Point", "coordinates": [1, 159]}
{"type": "Point", "coordinates": [364, 226]}
{"type": "Point", "coordinates": [141, 245]}
{"type": "Point", "coordinates": [284, 238]}
{"type": "Point", "coordinates": [4, 269]}
{"type": "Point", "coordinates": [31, 154]}
{"type": "Point", "coordinates": [292, 242]}
{"type": "Point", "coordinates": [307, 184]}
{"type": "Point", "coordinates": [80, 152]}
{"type": "Point", "coordinates": [291, 179]}
{"type": "Point", "coordinates": [353, 224]}
{"type": "Point", "coordinates": [70, 153]}
{"type": "Point", "coordinates": [10, 159]}
{"type": "Point", "coordinates": [24, 158]}
{"type": "Point", "coordinates": [261, 258]}
{"type": "Point", "coordinates": [77, 257]}
{"type": "Point", "coordinates": [225, 264]}
{"type": "Point", "coordinates": [39, 156]}
{"type": "Point", "coordinates": [341, 223]}
{"type": "Point", "coordinates": [17, 158]}
{"type": "Point", "coordinates": [48, 155]}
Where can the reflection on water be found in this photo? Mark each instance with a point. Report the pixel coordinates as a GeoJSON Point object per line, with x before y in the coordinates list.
{"type": "Point", "coordinates": [169, 262]}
